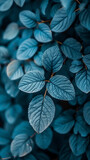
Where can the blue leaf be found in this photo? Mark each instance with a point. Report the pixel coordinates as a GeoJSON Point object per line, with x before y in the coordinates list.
{"type": "Point", "coordinates": [76, 66]}
{"type": "Point", "coordinates": [20, 3]}
{"type": "Point", "coordinates": [54, 9]}
{"type": "Point", "coordinates": [52, 59]}
{"type": "Point", "coordinates": [41, 112]}
{"type": "Point", "coordinates": [5, 152]}
{"type": "Point", "coordinates": [82, 80]}
{"type": "Point", "coordinates": [38, 58]}
{"type": "Point", "coordinates": [27, 49]}
{"type": "Point", "coordinates": [29, 157]}
{"type": "Point", "coordinates": [78, 144]}
{"type": "Point", "coordinates": [14, 70]}
{"type": "Point", "coordinates": [86, 60]}
{"type": "Point", "coordinates": [4, 137]}
{"type": "Point", "coordinates": [85, 18]}
{"type": "Point", "coordinates": [28, 18]}
{"type": "Point", "coordinates": [5, 101]}
{"type": "Point", "coordinates": [61, 88]}
{"type": "Point", "coordinates": [11, 31]}
{"type": "Point", "coordinates": [64, 123]}
{"type": "Point", "coordinates": [5, 5]}
{"type": "Point", "coordinates": [4, 55]}
{"type": "Point", "coordinates": [61, 21]}
{"type": "Point", "coordinates": [32, 82]}
{"type": "Point", "coordinates": [23, 127]}
{"type": "Point", "coordinates": [86, 112]}
{"type": "Point", "coordinates": [71, 48]}
{"type": "Point", "coordinates": [43, 6]}
{"type": "Point", "coordinates": [21, 145]}
{"type": "Point", "coordinates": [44, 139]}
{"type": "Point", "coordinates": [13, 113]}
{"type": "Point", "coordinates": [43, 33]}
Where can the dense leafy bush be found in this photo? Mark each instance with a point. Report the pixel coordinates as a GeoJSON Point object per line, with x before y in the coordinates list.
{"type": "Point", "coordinates": [45, 79]}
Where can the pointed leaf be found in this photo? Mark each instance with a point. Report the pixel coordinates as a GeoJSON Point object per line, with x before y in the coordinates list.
{"type": "Point", "coordinates": [20, 3]}
{"type": "Point", "coordinates": [5, 5]}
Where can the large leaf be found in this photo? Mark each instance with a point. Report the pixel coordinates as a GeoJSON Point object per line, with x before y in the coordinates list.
{"type": "Point", "coordinates": [78, 144]}
{"type": "Point", "coordinates": [85, 18]}
{"type": "Point", "coordinates": [27, 49]}
{"type": "Point", "coordinates": [86, 60]}
{"type": "Point", "coordinates": [27, 18]}
{"type": "Point", "coordinates": [14, 70]}
{"type": "Point", "coordinates": [21, 145]}
{"type": "Point", "coordinates": [71, 48]}
{"type": "Point", "coordinates": [41, 112]}
{"type": "Point", "coordinates": [61, 88]}
{"type": "Point", "coordinates": [64, 123]}
{"type": "Point", "coordinates": [5, 5]}
{"type": "Point", "coordinates": [52, 59]}
{"type": "Point", "coordinates": [44, 139]}
{"type": "Point", "coordinates": [82, 79]}
{"type": "Point", "coordinates": [86, 112]}
{"type": "Point", "coordinates": [32, 82]}
{"type": "Point", "coordinates": [61, 21]}
{"type": "Point", "coordinates": [43, 33]}
{"type": "Point", "coordinates": [20, 3]}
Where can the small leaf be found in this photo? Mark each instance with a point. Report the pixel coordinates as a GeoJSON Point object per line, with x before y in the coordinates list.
{"type": "Point", "coordinates": [76, 66]}
{"type": "Point", "coordinates": [43, 33]}
{"type": "Point", "coordinates": [52, 59]}
{"type": "Point", "coordinates": [86, 112]}
{"type": "Point", "coordinates": [43, 6]}
{"type": "Point", "coordinates": [82, 80]}
{"type": "Point", "coordinates": [14, 70]}
{"type": "Point", "coordinates": [20, 3]}
{"type": "Point", "coordinates": [11, 31]}
{"type": "Point", "coordinates": [71, 48]}
{"type": "Point", "coordinates": [78, 144]}
{"type": "Point", "coordinates": [61, 21]}
{"type": "Point", "coordinates": [4, 55]}
{"type": "Point", "coordinates": [5, 101]}
{"type": "Point", "coordinates": [41, 112]}
{"type": "Point", "coordinates": [5, 5]}
{"type": "Point", "coordinates": [4, 137]}
{"type": "Point", "coordinates": [32, 82]}
{"type": "Point", "coordinates": [27, 49]}
{"type": "Point", "coordinates": [28, 18]}
{"type": "Point", "coordinates": [44, 139]}
{"type": "Point", "coordinates": [5, 152]}
{"type": "Point", "coordinates": [86, 60]}
{"type": "Point", "coordinates": [61, 88]}
{"type": "Point", "coordinates": [21, 145]}
{"type": "Point", "coordinates": [64, 123]}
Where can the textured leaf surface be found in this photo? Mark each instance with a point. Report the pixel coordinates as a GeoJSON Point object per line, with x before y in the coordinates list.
{"type": "Point", "coordinates": [21, 145]}
{"type": "Point", "coordinates": [52, 59]}
{"type": "Point", "coordinates": [43, 33]}
{"type": "Point", "coordinates": [32, 82]}
{"type": "Point", "coordinates": [41, 112]}
{"type": "Point", "coordinates": [71, 48]}
{"type": "Point", "coordinates": [5, 5]}
{"type": "Point", "coordinates": [83, 80]}
{"type": "Point", "coordinates": [14, 70]}
{"type": "Point", "coordinates": [61, 21]}
{"type": "Point", "coordinates": [86, 112]}
{"type": "Point", "coordinates": [78, 144]}
{"type": "Point", "coordinates": [27, 49]}
{"type": "Point", "coordinates": [44, 5]}
{"type": "Point", "coordinates": [61, 88]}
{"type": "Point", "coordinates": [28, 18]}
{"type": "Point", "coordinates": [86, 60]}
{"type": "Point", "coordinates": [76, 66]}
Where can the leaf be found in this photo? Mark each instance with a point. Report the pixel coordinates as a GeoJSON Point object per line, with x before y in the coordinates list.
{"type": "Point", "coordinates": [41, 112]}
{"type": "Point", "coordinates": [11, 31]}
{"type": "Point", "coordinates": [84, 18]}
{"type": "Point", "coordinates": [86, 60]}
{"type": "Point", "coordinates": [52, 59]}
{"type": "Point", "coordinates": [29, 157]}
{"type": "Point", "coordinates": [43, 6]}
{"type": "Point", "coordinates": [76, 66]}
{"type": "Point", "coordinates": [5, 101]}
{"type": "Point", "coordinates": [5, 5]}
{"type": "Point", "coordinates": [43, 33]}
{"type": "Point", "coordinates": [27, 49]}
{"type": "Point", "coordinates": [86, 112]}
{"type": "Point", "coordinates": [82, 80]}
{"type": "Point", "coordinates": [23, 127]}
{"type": "Point", "coordinates": [32, 82]}
{"type": "Point", "coordinates": [78, 144]}
{"type": "Point", "coordinates": [4, 55]}
{"type": "Point", "coordinates": [64, 123]}
{"type": "Point", "coordinates": [14, 70]}
{"type": "Point", "coordinates": [61, 21]}
{"type": "Point", "coordinates": [61, 88]}
{"type": "Point", "coordinates": [5, 152]}
{"type": "Point", "coordinates": [71, 48]}
{"type": "Point", "coordinates": [38, 58]}
{"type": "Point", "coordinates": [44, 139]}
{"type": "Point", "coordinates": [4, 137]}
{"type": "Point", "coordinates": [20, 3]}
{"type": "Point", "coordinates": [13, 113]}
{"type": "Point", "coordinates": [21, 145]}
{"type": "Point", "coordinates": [28, 18]}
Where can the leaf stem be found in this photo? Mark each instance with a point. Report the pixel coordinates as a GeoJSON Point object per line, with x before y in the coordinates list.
{"type": "Point", "coordinates": [45, 93]}
{"type": "Point", "coordinates": [59, 42]}
{"type": "Point", "coordinates": [20, 28]}
{"type": "Point", "coordinates": [33, 135]}
{"type": "Point", "coordinates": [44, 21]}
{"type": "Point", "coordinates": [77, 9]}
{"type": "Point", "coordinates": [78, 1]}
